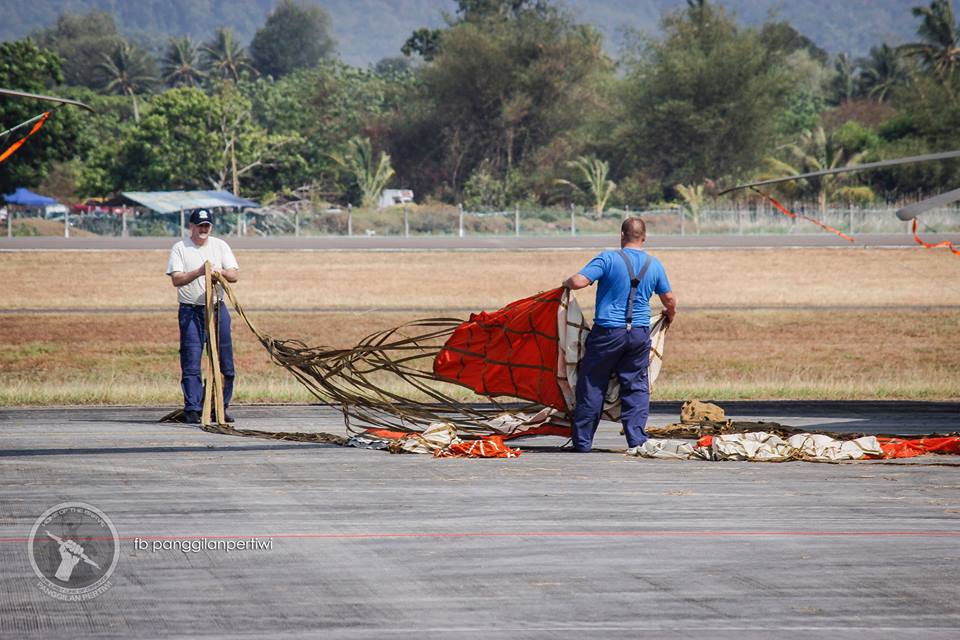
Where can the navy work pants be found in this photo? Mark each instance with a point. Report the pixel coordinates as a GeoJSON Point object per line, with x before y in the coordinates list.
{"type": "Point", "coordinates": [608, 352]}
{"type": "Point", "coordinates": [193, 336]}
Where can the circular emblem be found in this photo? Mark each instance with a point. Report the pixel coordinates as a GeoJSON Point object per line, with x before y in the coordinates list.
{"type": "Point", "coordinates": [74, 549]}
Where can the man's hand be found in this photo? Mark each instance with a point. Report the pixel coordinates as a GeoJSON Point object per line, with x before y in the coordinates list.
{"type": "Point", "coordinates": [669, 302]}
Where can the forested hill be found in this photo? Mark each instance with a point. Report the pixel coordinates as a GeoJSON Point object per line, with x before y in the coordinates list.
{"type": "Point", "coordinates": [368, 30]}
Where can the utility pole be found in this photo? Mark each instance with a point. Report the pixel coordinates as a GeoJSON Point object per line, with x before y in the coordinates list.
{"type": "Point", "coordinates": [233, 164]}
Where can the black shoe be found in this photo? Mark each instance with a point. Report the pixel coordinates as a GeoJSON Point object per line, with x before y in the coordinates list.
{"type": "Point", "coordinates": [227, 417]}
{"type": "Point", "coordinates": [191, 417]}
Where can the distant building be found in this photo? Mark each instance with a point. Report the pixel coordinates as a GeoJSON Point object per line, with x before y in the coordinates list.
{"type": "Point", "coordinates": [393, 197]}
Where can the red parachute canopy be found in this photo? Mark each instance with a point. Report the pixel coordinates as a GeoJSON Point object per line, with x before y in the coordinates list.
{"type": "Point", "coordinates": [511, 352]}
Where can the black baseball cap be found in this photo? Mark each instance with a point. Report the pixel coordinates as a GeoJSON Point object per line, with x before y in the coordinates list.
{"type": "Point", "coordinates": [201, 216]}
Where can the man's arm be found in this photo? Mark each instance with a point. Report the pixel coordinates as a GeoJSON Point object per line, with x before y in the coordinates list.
{"type": "Point", "coordinates": [230, 275]}
{"type": "Point", "coordinates": [181, 278]}
{"type": "Point", "coordinates": [669, 302]}
{"type": "Point", "coordinates": [577, 281]}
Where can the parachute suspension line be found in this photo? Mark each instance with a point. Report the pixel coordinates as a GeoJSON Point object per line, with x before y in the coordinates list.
{"type": "Point", "coordinates": [372, 381]}
{"type": "Point", "coordinates": [9, 151]}
{"type": "Point", "coordinates": [791, 214]}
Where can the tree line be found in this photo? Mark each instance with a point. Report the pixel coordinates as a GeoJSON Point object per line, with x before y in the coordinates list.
{"type": "Point", "coordinates": [512, 101]}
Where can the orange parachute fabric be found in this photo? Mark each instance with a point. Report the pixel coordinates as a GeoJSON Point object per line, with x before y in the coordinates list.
{"type": "Point", "coordinates": [489, 447]}
{"type": "Point", "coordinates": [908, 448]}
{"type": "Point", "coordinates": [511, 352]}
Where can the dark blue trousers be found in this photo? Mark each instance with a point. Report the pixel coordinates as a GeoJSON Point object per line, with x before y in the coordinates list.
{"type": "Point", "coordinates": [193, 335]}
{"type": "Point", "coordinates": [608, 352]}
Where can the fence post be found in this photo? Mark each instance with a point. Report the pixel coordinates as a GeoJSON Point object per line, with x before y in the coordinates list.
{"type": "Point", "coordinates": [296, 222]}
{"type": "Point", "coordinates": [349, 220]}
{"type": "Point", "coordinates": [10, 223]}
{"type": "Point", "coordinates": [682, 216]}
{"type": "Point", "coordinates": [123, 224]}
{"type": "Point", "coordinates": [460, 210]}
{"type": "Point", "coordinates": [850, 212]}
{"type": "Point", "coordinates": [406, 222]}
{"type": "Point", "coordinates": [182, 227]}
{"type": "Point", "coordinates": [573, 219]}
{"type": "Point", "coordinates": [516, 220]}
{"type": "Point", "coordinates": [739, 221]}
{"type": "Point", "coordinates": [66, 224]}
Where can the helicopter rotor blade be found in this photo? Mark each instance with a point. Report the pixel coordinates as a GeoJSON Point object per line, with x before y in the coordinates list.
{"type": "Point", "coordinates": [857, 167]}
{"type": "Point", "coordinates": [911, 211]}
{"type": "Point", "coordinates": [35, 96]}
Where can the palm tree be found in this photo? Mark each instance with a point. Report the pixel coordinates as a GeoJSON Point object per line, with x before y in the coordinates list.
{"type": "Point", "coordinates": [693, 196]}
{"type": "Point", "coordinates": [126, 71]}
{"type": "Point", "coordinates": [370, 176]}
{"type": "Point", "coordinates": [938, 51]}
{"type": "Point", "coordinates": [815, 151]}
{"type": "Point", "coordinates": [882, 72]}
{"type": "Point", "coordinates": [845, 81]}
{"type": "Point", "coordinates": [180, 68]}
{"type": "Point", "coordinates": [226, 59]}
{"type": "Point", "coordinates": [595, 173]}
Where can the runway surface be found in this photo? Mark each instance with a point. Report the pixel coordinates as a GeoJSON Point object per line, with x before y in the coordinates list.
{"type": "Point", "coordinates": [476, 243]}
{"type": "Point", "coordinates": [551, 544]}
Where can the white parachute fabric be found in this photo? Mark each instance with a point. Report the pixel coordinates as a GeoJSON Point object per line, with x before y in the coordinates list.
{"type": "Point", "coordinates": [761, 446]}
{"type": "Point", "coordinates": [670, 449]}
{"type": "Point", "coordinates": [573, 330]}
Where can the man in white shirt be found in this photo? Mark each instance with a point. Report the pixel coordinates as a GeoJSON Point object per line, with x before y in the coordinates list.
{"type": "Point", "coordinates": [185, 268]}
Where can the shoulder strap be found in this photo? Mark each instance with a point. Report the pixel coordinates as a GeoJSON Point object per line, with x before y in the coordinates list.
{"type": "Point", "coordinates": [634, 282]}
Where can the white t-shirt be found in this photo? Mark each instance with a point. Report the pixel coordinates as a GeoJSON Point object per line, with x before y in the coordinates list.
{"type": "Point", "coordinates": [186, 256]}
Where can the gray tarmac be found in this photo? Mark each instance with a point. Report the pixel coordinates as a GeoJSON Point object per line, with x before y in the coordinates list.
{"type": "Point", "coordinates": [478, 243]}
{"type": "Point", "coordinates": [550, 544]}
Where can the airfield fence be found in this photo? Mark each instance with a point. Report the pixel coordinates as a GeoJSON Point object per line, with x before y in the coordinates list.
{"type": "Point", "coordinates": [304, 219]}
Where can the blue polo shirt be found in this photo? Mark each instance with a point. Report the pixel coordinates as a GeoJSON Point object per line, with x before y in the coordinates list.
{"type": "Point", "coordinates": [613, 287]}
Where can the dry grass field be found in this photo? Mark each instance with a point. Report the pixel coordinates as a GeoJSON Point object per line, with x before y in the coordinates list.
{"type": "Point", "coordinates": [821, 323]}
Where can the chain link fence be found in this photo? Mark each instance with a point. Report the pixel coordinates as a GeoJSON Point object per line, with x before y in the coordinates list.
{"type": "Point", "coordinates": [305, 219]}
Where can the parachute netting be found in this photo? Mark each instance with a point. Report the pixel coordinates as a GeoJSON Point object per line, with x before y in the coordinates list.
{"type": "Point", "coordinates": [500, 373]}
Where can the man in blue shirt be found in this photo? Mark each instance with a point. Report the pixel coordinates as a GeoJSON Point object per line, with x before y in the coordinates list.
{"type": "Point", "coordinates": [620, 339]}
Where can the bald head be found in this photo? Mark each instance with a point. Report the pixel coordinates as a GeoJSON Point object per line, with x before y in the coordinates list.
{"type": "Point", "coordinates": [633, 231]}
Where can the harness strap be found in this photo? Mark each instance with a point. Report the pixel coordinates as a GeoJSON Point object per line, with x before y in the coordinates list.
{"type": "Point", "coordinates": [634, 282]}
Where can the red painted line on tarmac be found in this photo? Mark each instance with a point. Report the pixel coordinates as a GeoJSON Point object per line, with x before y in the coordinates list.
{"type": "Point", "coordinates": [535, 534]}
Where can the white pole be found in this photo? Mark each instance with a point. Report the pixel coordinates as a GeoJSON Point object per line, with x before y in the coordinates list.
{"type": "Point", "coordinates": [850, 213]}
{"type": "Point", "coordinates": [183, 227]}
{"type": "Point", "coordinates": [573, 219]}
{"type": "Point", "coordinates": [10, 223]}
{"type": "Point", "coordinates": [460, 208]}
{"type": "Point", "coordinates": [66, 224]}
{"type": "Point", "coordinates": [516, 220]}
{"type": "Point", "coordinates": [296, 223]}
{"type": "Point", "coordinates": [349, 220]}
{"type": "Point", "coordinates": [406, 222]}
{"type": "Point", "coordinates": [123, 228]}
